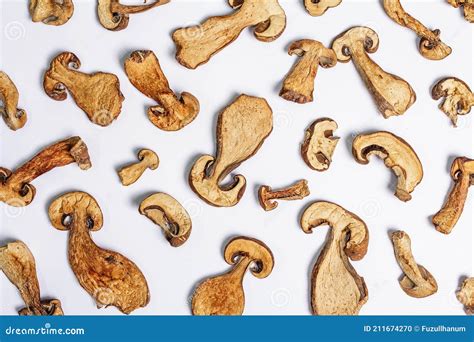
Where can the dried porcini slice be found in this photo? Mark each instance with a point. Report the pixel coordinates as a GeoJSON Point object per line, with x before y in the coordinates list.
{"type": "Point", "coordinates": [97, 94]}
{"type": "Point", "coordinates": [468, 6]}
{"type": "Point", "coordinates": [336, 288]}
{"type": "Point", "coordinates": [462, 173]}
{"type": "Point", "coordinates": [14, 117]}
{"type": "Point", "coordinates": [392, 95]}
{"type": "Point", "coordinates": [319, 144]}
{"type": "Point", "coordinates": [457, 97]}
{"type": "Point", "coordinates": [109, 277]}
{"type": "Point", "coordinates": [431, 46]}
{"type": "Point", "coordinates": [15, 187]}
{"type": "Point", "coordinates": [172, 112]}
{"type": "Point", "coordinates": [242, 128]}
{"type": "Point", "coordinates": [51, 12]}
{"type": "Point", "coordinates": [298, 85]}
{"type": "Point", "coordinates": [131, 173]}
{"type": "Point", "coordinates": [417, 281]}
{"type": "Point", "coordinates": [319, 7]}
{"type": "Point", "coordinates": [18, 264]}
{"type": "Point", "coordinates": [224, 294]}
{"type": "Point", "coordinates": [267, 196]}
{"type": "Point", "coordinates": [170, 215]}
{"type": "Point", "coordinates": [466, 295]}
{"type": "Point", "coordinates": [396, 153]}
{"type": "Point", "coordinates": [197, 44]}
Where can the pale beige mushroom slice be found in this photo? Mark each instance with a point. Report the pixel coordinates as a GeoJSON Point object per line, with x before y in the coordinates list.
{"type": "Point", "coordinates": [396, 153]}
{"type": "Point", "coordinates": [466, 295]}
{"type": "Point", "coordinates": [468, 8]}
{"type": "Point", "coordinates": [51, 12]}
{"type": "Point", "coordinates": [319, 144]}
{"type": "Point", "coordinates": [14, 117]}
{"type": "Point", "coordinates": [267, 196]}
{"type": "Point", "coordinates": [131, 173]}
{"type": "Point", "coordinates": [319, 7]}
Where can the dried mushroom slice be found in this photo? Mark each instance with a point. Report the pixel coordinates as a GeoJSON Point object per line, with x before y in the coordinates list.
{"type": "Point", "coordinates": [172, 112]}
{"type": "Point", "coordinates": [15, 187]}
{"type": "Point", "coordinates": [14, 117]}
{"type": "Point", "coordinates": [336, 288]}
{"type": "Point", "coordinates": [267, 196]}
{"type": "Point", "coordinates": [18, 264]}
{"type": "Point", "coordinates": [97, 94]}
{"type": "Point", "coordinates": [468, 6]}
{"type": "Point", "coordinates": [51, 12]}
{"type": "Point", "coordinates": [242, 128]}
{"type": "Point", "coordinates": [466, 295]}
{"type": "Point", "coordinates": [298, 85]}
{"type": "Point", "coordinates": [109, 277]}
{"type": "Point", "coordinates": [417, 281]}
{"type": "Point", "coordinates": [319, 7]}
{"type": "Point", "coordinates": [131, 173]}
{"type": "Point", "coordinates": [166, 212]}
{"type": "Point", "coordinates": [197, 44]}
{"type": "Point", "coordinates": [396, 153]}
{"type": "Point", "coordinates": [319, 144]}
{"type": "Point", "coordinates": [224, 294]}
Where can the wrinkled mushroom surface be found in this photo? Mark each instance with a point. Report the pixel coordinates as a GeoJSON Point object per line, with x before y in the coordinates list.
{"type": "Point", "coordinates": [14, 117]}
{"type": "Point", "coordinates": [319, 144]}
{"type": "Point", "coordinates": [319, 7]}
{"type": "Point", "coordinates": [131, 173]}
{"type": "Point", "coordinates": [466, 295]}
{"type": "Point", "coordinates": [267, 196]}
{"type": "Point", "coordinates": [51, 12]}
{"type": "Point", "coordinates": [457, 97]}
{"type": "Point", "coordinates": [468, 6]}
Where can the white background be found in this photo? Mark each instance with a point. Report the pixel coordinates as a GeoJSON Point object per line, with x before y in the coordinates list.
{"type": "Point", "coordinates": [255, 68]}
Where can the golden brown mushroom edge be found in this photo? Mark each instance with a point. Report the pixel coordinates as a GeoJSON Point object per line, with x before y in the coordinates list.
{"type": "Point", "coordinates": [14, 117]}
{"type": "Point", "coordinates": [319, 144]}
{"type": "Point", "coordinates": [317, 8]}
{"type": "Point", "coordinates": [51, 12]}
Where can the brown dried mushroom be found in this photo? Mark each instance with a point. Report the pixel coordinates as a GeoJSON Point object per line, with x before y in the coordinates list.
{"type": "Point", "coordinates": [14, 117]}
{"type": "Point", "coordinates": [392, 95]}
{"type": "Point", "coordinates": [131, 173]}
{"type": "Point", "coordinates": [457, 97]}
{"type": "Point", "coordinates": [15, 187]}
{"type": "Point", "coordinates": [172, 113]}
{"type": "Point", "coordinates": [97, 94]}
{"type": "Point", "coordinates": [430, 46]}
{"type": "Point", "coordinates": [462, 173]}
{"type": "Point", "coordinates": [51, 12]}
{"type": "Point", "coordinates": [468, 8]}
{"type": "Point", "coordinates": [417, 281]}
{"type": "Point", "coordinates": [396, 153]}
{"type": "Point", "coordinates": [170, 215]}
{"type": "Point", "coordinates": [319, 7]}
{"type": "Point", "coordinates": [242, 128]}
{"type": "Point", "coordinates": [267, 196]}
{"type": "Point", "coordinates": [114, 16]}
{"type": "Point", "coordinates": [319, 144]}
{"type": "Point", "coordinates": [298, 85]}
{"type": "Point", "coordinates": [224, 294]}
{"type": "Point", "coordinates": [18, 264]}
{"type": "Point", "coordinates": [466, 295]}
{"type": "Point", "coordinates": [197, 44]}
{"type": "Point", "coordinates": [336, 288]}
{"type": "Point", "coordinates": [109, 277]}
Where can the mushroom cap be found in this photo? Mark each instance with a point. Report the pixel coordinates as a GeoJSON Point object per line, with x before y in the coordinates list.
{"type": "Point", "coordinates": [462, 165]}
{"type": "Point", "coordinates": [317, 8]}
{"type": "Point", "coordinates": [151, 158]}
{"type": "Point", "coordinates": [327, 57]}
{"type": "Point", "coordinates": [14, 117]}
{"type": "Point", "coordinates": [54, 89]}
{"type": "Point", "coordinates": [347, 41]}
{"type": "Point", "coordinates": [460, 92]}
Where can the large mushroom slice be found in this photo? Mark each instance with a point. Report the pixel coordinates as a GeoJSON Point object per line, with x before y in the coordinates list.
{"type": "Point", "coordinates": [468, 6]}
{"type": "Point", "coordinates": [51, 12]}
{"type": "Point", "coordinates": [14, 117]}
{"type": "Point", "coordinates": [319, 144]}
{"type": "Point", "coordinates": [319, 7]}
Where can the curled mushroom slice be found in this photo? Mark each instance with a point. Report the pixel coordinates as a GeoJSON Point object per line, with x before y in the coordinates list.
{"type": "Point", "coordinates": [224, 294]}
{"type": "Point", "coordinates": [18, 264]}
{"type": "Point", "coordinates": [267, 196]}
{"type": "Point", "coordinates": [457, 97]}
{"type": "Point", "coordinates": [109, 277]}
{"type": "Point", "coordinates": [170, 215]}
{"type": "Point", "coordinates": [430, 46]}
{"type": "Point", "coordinates": [462, 173]}
{"type": "Point", "coordinates": [51, 12]}
{"type": "Point", "coordinates": [396, 153]}
{"type": "Point", "coordinates": [15, 187]}
{"type": "Point", "coordinates": [14, 117]}
{"type": "Point", "coordinates": [298, 86]}
{"type": "Point", "coordinates": [319, 144]}
{"type": "Point", "coordinates": [466, 295]}
{"type": "Point", "coordinates": [319, 7]}
{"type": "Point", "coordinates": [97, 94]}
{"type": "Point", "coordinates": [172, 113]}
{"type": "Point", "coordinates": [241, 130]}
{"type": "Point", "coordinates": [336, 288]}
{"type": "Point", "coordinates": [416, 281]}
{"type": "Point", "coordinates": [196, 45]}
{"type": "Point", "coordinates": [392, 95]}
{"type": "Point", "coordinates": [468, 6]}
{"type": "Point", "coordinates": [131, 173]}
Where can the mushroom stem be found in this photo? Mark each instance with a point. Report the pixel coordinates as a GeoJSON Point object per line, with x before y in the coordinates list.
{"type": "Point", "coordinates": [297, 191]}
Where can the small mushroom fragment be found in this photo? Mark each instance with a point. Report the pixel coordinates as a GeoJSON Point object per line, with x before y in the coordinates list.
{"type": "Point", "coordinates": [109, 277]}
{"type": "Point", "coordinates": [417, 281]}
{"type": "Point", "coordinates": [336, 288]}
{"type": "Point", "coordinates": [131, 173]}
{"type": "Point", "coordinates": [468, 8]}
{"type": "Point", "coordinates": [51, 12]}
{"type": "Point", "coordinates": [242, 128]}
{"type": "Point", "coordinates": [224, 294]}
{"type": "Point", "coordinates": [15, 187]}
{"type": "Point", "coordinates": [466, 295]}
{"type": "Point", "coordinates": [18, 264]}
{"type": "Point", "coordinates": [298, 86]}
{"type": "Point", "coordinates": [197, 44]}
{"type": "Point", "coordinates": [319, 7]}
{"type": "Point", "coordinates": [396, 153]}
{"type": "Point", "coordinates": [319, 144]}
{"type": "Point", "coordinates": [462, 173]}
{"type": "Point", "coordinates": [457, 97]}
{"type": "Point", "coordinates": [114, 16]}
{"type": "Point", "coordinates": [170, 215]}
{"type": "Point", "coordinates": [97, 94]}
{"type": "Point", "coordinates": [172, 113]}
{"type": "Point", "coordinates": [267, 196]}
{"type": "Point", "coordinates": [430, 46]}
{"type": "Point", "coordinates": [14, 117]}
